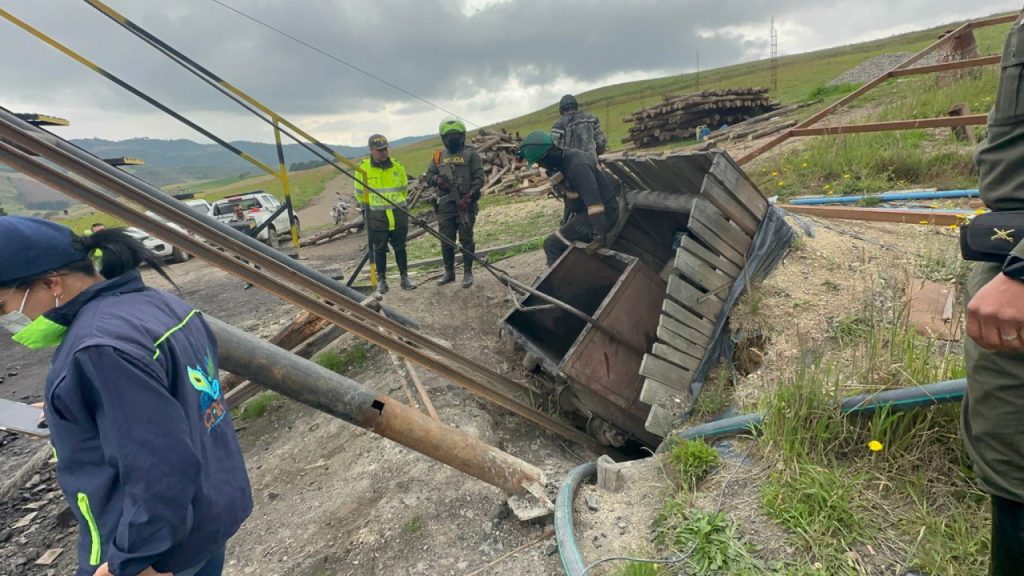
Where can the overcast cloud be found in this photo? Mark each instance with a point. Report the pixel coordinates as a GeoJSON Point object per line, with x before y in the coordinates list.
{"type": "Point", "coordinates": [487, 60]}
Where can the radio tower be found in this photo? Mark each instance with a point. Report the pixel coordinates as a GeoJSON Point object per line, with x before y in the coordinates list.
{"type": "Point", "coordinates": [774, 59]}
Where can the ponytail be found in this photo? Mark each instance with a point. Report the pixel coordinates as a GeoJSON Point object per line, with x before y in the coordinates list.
{"type": "Point", "coordinates": [121, 253]}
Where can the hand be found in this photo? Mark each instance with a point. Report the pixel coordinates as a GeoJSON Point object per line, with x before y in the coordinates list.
{"type": "Point", "coordinates": [995, 316]}
{"type": "Point", "coordinates": [464, 203]}
{"type": "Point", "coordinates": [443, 184]}
{"type": "Point", "coordinates": [596, 244]}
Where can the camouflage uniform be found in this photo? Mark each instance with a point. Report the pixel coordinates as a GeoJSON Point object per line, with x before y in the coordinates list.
{"type": "Point", "coordinates": [993, 410]}
{"type": "Point", "coordinates": [582, 131]}
{"type": "Point", "coordinates": [468, 171]}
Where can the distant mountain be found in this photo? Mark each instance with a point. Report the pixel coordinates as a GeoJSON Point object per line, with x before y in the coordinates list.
{"type": "Point", "coordinates": [173, 161]}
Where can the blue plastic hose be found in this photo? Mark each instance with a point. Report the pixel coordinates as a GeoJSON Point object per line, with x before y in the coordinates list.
{"type": "Point", "coordinates": [886, 197]}
{"type": "Point", "coordinates": [895, 400]}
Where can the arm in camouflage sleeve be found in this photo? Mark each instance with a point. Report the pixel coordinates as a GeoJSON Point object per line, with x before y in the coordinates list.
{"type": "Point", "coordinates": [558, 132]}
{"type": "Point", "coordinates": [430, 177]}
{"type": "Point", "coordinates": [600, 139]}
{"type": "Point", "coordinates": [476, 175]}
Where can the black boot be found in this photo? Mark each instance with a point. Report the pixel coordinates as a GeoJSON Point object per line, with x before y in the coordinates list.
{"type": "Point", "coordinates": [406, 283]}
{"type": "Point", "coordinates": [467, 279]}
{"type": "Point", "coordinates": [382, 286]}
{"type": "Point", "coordinates": [448, 278]}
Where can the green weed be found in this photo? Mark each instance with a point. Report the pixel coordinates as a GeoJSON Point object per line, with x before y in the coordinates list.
{"type": "Point", "coordinates": [414, 524]}
{"type": "Point", "coordinates": [347, 360]}
{"type": "Point", "coordinates": [693, 460]}
{"type": "Point", "coordinates": [256, 407]}
{"type": "Point", "coordinates": [708, 540]}
{"type": "Point", "coordinates": [634, 568]}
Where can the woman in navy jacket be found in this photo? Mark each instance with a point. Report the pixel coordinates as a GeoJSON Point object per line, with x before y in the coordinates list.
{"type": "Point", "coordinates": [147, 456]}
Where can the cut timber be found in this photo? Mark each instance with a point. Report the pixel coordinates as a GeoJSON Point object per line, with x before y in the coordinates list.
{"type": "Point", "coordinates": [769, 130]}
{"type": "Point", "coordinates": [659, 421]}
{"type": "Point", "coordinates": [674, 356]}
{"type": "Point", "coordinates": [927, 217]}
{"type": "Point", "coordinates": [691, 245]}
{"type": "Point", "coordinates": [653, 392]}
{"type": "Point", "coordinates": [49, 556]}
{"type": "Point", "coordinates": [689, 297]}
{"type": "Point", "coordinates": [699, 272]}
{"type": "Point", "coordinates": [670, 308]}
{"type": "Point", "coordinates": [968, 120]}
{"type": "Point", "coordinates": [665, 372]}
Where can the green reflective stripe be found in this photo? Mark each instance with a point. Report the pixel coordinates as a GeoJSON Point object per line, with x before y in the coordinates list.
{"type": "Point", "coordinates": [167, 334]}
{"type": "Point", "coordinates": [41, 333]}
{"type": "Point", "coordinates": [391, 219]}
{"type": "Point", "coordinates": [382, 207]}
{"type": "Point", "coordinates": [96, 549]}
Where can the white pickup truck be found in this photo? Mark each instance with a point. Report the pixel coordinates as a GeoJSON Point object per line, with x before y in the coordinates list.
{"type": "Point", "coordinates": [257, 207]}
{"type": "Point", "coordinates": [164, 250]}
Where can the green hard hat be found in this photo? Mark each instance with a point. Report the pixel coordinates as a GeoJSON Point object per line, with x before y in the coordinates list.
{"type": "Point", "coordinates": [535, 146]}
{"type": "Point", "coordinates": [451, 124]}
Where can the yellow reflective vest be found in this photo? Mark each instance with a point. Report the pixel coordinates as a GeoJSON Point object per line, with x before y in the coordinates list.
{"type": "Point", "coordinates": [391, 183]}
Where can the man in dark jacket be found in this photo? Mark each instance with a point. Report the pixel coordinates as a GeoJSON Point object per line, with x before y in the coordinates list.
{"type": "Point", "coordinates": [591, 204]}
{"type": "Point", "coordinates": [577, 130]}
{"type": "Point", "coordinates": [458, 173]}
{"type": "Point", "coordinates": [147, 456]}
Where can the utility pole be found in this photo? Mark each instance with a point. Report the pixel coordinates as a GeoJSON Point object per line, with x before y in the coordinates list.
{"type": "Point", "coordinates": [698, 70]}
{"type": "Point", "coordinates": [774, 59]}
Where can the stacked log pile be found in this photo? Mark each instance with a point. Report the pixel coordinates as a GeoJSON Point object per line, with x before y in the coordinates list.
{"type": "Point", "coordinates": [678, 117]}
{"type": "Point", "coordinates": [504, 173]}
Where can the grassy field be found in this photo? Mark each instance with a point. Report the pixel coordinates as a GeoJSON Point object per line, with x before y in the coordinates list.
{"type": "Point", "coordinates": [801, 77]}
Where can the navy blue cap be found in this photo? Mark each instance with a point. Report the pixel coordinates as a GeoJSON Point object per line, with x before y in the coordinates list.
{"type": "Point", "coordinates": [30, 246]}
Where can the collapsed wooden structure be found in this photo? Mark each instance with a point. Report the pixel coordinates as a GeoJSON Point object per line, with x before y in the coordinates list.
{"type": "Point", "coordinates": [656, 293]}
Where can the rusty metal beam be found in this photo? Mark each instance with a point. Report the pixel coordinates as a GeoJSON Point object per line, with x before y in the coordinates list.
{"type": "Point", "coordinates": [945, 122]}
{"type": "Point", "coordinates": [285, 283]}
{"type": "Point", "coordinates": [311, 384]}
{"type": "Point", "coordinates": [924, 217]}
{"type": "Point", "coordinates": [875, 82]}
{"type": "Point", "coordinates": [946, 66]}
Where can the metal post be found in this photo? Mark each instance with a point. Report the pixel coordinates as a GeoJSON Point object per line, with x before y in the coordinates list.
{"type": "Point", "coordinates": [282, 173]}
{"type": "Point", "coordinates": [313, 385]}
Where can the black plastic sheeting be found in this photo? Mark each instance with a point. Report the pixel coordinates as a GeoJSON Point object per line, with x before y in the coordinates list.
{"type": "Point", "coordinates": [769, 246]}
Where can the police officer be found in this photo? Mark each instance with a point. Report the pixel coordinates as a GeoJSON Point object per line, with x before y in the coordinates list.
{"type": "Point", "coordinates": [591, 204]}
{"type": "Point", "coordinates": [458, 173]}
{"type": "Point", "coordinates": [578, 130]}
{"type": "Point", "coordinates": [994, 406]}
{"type": "Point", "coordinates": [385, 223]}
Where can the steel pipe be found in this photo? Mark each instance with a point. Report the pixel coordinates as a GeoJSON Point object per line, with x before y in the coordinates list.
{"type": "Point", "coordinates": [315, 386]}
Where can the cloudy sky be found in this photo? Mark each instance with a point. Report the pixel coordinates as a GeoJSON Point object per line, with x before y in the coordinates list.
{"type": "Point", "coordinates": [487, 60]}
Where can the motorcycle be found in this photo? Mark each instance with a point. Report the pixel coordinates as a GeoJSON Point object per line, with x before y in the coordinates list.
{"type": "Point", "coordinates": [339, 211]}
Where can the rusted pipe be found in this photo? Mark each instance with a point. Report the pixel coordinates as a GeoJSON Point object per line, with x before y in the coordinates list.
{"type": "Point", "coordinates": [311, 384]}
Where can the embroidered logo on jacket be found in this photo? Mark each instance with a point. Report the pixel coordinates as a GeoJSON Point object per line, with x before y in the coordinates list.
{"type": "Point", "coordinates": [210, 402]}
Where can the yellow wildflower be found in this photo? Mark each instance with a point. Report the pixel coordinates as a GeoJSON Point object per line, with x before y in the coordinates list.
{"type": "Point", "coordinates": [923, 222]}
{"type": "Point", "coordinates": [875, 446]}
{"type": "Point", "coordinates": [781, 183]}
{"type": "Point", "coordinates": [804, 165]}
{"type": "Point", "coordinates": [775, 173]}
{"type": "Point", "coordinates": [846, 176]}
{"type": "Point", "coordinates": [980, 211]}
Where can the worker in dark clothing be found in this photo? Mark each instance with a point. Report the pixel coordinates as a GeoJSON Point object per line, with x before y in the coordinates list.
{"type": "Point", "coordinates": [147, 456]}
{"type": "Point", "coordinates": [577, 130]}
{"type": "Point", "coordinates": [592, 206]}
{"type": "Point", "coordinates": [458, 174]}
{"type": "Point", "coordinates": [386, 222]}
{"type": "Point", "coordinates": [994, 404]}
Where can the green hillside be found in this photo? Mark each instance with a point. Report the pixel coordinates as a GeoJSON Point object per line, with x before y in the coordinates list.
{"type": "Point", "coordinates": [801, 77]}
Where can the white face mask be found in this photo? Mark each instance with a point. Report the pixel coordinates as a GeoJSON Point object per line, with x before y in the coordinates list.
{"type": "Point", "coordinates": [15, 322]}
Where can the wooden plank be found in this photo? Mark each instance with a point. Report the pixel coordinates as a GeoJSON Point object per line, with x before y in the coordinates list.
{"type": "Point", "coordinates": [700, 341]}
{"type": "Point", "coordinates": [953, 65]}
{"type": "Point", "coordinates": [735, 210]}
{"type": "Point", "coordinates": [670, 354]}
{"type": "Point", "coordinates": [659, 421]}
{"type": "Point", "coordinates": [693, 299]}
{"type": "Point", "coordinates": [926, 217]}
{"type": "Point", "coordinates": [670, 338]}
{"type": "Point", "coordinates": [653, 392]}
{"type": "Point", "coordinates": [685, 170]}
{"type": "Point", "coordinates": [644, 172]}
{"type": "Point", "coordinates": [645, 241]}
{"type": "Point", "coordinates": [686, 317]}
{"type": "Point", "coordinates": [662, 371]}
{"type": "Point", "coordinates": [623, 174]}
{"type": "Point", "coordinates": [706, 213]}
{"type": "Point", "coordinates": [705, 235]}
{"type": "Point", "coordinates": [735, 180]}
{"type": "Point", "coordinates": [698, 272]}
{"type": "Point", "coordinates": [49, 556]}
{"type": "Point", "coordinates": [942, 122]}
{"type": "Point", "coordinates": [691, 245]}
{"type": "Point", "coordinates": [659, 178]}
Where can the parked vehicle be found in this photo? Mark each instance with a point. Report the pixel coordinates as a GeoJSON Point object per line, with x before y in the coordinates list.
{"type": "Point", "coordinates": [339, 211]}
{"type": "Point", "coordinates": [257, 207]}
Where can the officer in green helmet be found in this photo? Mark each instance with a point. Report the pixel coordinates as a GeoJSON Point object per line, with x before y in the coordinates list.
{"type": "Point", "coordinates": [591, 202]}
{"type": "Point", "coordinates": [458, 174]}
